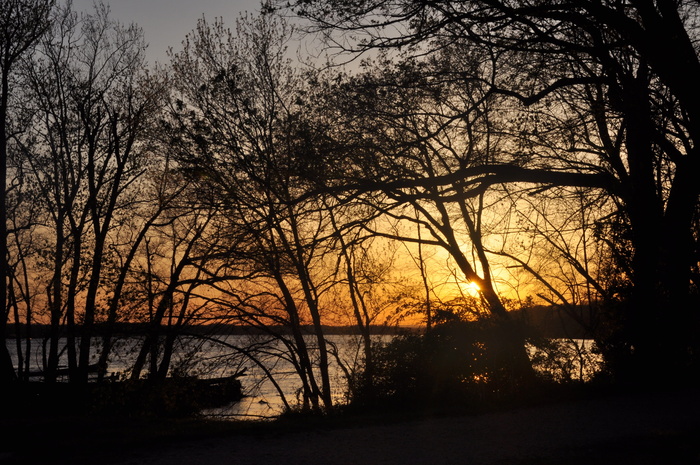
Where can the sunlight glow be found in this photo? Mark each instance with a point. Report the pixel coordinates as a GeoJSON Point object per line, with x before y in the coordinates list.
{"type": "Point", "coordinates": [471, 288]}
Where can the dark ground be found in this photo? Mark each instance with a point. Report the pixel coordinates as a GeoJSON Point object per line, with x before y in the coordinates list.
{"type": "Point", "coordinates": [638, 428]}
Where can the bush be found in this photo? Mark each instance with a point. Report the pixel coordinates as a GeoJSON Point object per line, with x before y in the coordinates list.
{"type": "Point", "coordinates": [456, 363]}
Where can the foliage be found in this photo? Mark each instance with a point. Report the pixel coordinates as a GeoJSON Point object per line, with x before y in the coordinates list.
{"type": "Point", "coordinates": [456, 363]}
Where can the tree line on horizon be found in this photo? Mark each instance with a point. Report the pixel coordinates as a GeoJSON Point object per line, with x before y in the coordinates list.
{"type": "Point", "coordinates": [545, 152]}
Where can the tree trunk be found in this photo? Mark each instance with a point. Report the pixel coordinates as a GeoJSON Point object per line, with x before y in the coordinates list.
{"type": "Point", "coordinates": [7, 371]}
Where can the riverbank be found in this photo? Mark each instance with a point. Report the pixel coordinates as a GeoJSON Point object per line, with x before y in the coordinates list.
{"type": "Point", "coordinates": [639, 428]}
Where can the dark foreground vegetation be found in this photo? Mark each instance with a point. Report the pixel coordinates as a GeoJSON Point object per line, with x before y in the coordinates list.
{"type": "Point", "coordinates": [170, 398]}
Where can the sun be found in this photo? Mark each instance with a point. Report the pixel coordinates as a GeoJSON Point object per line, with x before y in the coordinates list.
{"type": "Point", "coordinates": [471, 288]}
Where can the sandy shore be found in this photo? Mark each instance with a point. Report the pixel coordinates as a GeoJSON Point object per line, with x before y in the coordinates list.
{"type": "Point", "coordinates": [639, 429]}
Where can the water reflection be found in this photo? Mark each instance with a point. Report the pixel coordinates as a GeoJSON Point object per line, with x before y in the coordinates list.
{"type": "Point", "coordinates": [562, 359]}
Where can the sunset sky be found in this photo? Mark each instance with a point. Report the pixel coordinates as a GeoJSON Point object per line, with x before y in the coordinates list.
{"type": "Point", "coordinates": [165, 22]}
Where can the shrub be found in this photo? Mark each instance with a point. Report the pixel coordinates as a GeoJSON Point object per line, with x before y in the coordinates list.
{"type": "Point", "coordinates": [457, 362]}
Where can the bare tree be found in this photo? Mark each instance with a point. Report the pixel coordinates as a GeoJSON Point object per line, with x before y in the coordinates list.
{"type": "Point", "coordinates": [22, 23]}
{"type": "Point", "coordinates": [233, 114]}
{"type": "Point", "coordinates": [159, 196]}
{"type": "Point", "coordinates": [86, 151]}
{"type": "Point", "coordinates": [173, 262]}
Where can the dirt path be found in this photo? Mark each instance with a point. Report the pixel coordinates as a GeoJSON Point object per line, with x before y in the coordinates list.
{"type": "Point", "coordinates": [638, 429]}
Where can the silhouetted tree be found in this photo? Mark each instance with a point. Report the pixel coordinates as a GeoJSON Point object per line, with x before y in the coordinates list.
{"type": "Point", "coordinates": [232, 110]}
{"type": "Point", "coordinates": [22, 23]}
{"type": "Point", "coordinates": [624, 73]}
{"type": "Point", "coordinates": [175, 256]}
{"type": "Point", "coordinates": [402, 142]}
{"type": "Point", "coordinates": [86, 151]}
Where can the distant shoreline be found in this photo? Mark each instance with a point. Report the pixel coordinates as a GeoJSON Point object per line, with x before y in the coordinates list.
{"type": "Point", "coordinates": [551, 322]}
{"type": "Point", "coordinates": [136, 329]}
